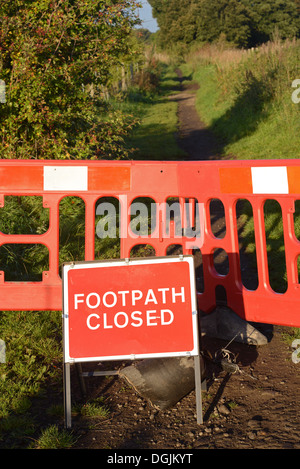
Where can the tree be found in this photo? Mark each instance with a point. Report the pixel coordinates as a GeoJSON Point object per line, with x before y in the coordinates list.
{"type": "Point", "coordinates": [55, 55]}
{"type": "Point", "coordinates": [229, 18]}
{"type": "Point", "coordinates": [270, 16]}
{"type": "Point", "coordinates": [243, 23]}
{"type": "Point", "coordinates": [203, 20]}
{"type": "Point", "coordinates": [177, 21]}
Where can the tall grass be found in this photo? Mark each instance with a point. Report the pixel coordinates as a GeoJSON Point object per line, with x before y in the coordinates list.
{"type": "Point", "coordinates": [245, 97]}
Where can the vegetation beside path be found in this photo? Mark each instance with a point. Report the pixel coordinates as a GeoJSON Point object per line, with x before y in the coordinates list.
{"type": "Point", "coordinates": [246, 97]}
{"type": "Point", "coordinates": [264, 128]}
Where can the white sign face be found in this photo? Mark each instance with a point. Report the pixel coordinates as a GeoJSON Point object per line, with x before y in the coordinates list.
{"type": "Point", "coordinates": [127, 309]}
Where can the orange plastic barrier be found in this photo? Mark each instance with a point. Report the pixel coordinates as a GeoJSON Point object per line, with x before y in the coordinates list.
{"type": "Point", "coordinates": [195, 184]}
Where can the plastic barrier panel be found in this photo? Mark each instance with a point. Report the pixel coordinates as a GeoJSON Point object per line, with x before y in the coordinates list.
{"type": "Point", "coordinates": [162, 205]}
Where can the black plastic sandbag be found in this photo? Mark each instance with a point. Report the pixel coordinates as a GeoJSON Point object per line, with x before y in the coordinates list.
{"type": "Point", "coordinates": [162, 381]}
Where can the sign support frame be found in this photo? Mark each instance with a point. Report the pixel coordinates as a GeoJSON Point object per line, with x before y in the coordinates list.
{"type": "Point", "coordinates": [67, 363]}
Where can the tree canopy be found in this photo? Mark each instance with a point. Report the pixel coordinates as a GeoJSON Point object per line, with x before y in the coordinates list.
{"type": "Point", "coordinates": [55, 55]}
{"type": "Point", "coordinates": [244, 23]}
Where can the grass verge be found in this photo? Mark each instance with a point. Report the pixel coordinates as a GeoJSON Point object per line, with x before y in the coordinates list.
{"type": "Point", "coordinates": [248, 101]}
{"type": "Point", "coordinates": [154, 138]}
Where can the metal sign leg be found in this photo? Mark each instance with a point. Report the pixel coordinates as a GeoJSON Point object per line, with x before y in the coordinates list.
{"type": "Point", "coordinates": [198, 389]}
{"type": "Point", "coordinates": [67, 395]}
{"type": "Point", "coordinates": [80, 376]}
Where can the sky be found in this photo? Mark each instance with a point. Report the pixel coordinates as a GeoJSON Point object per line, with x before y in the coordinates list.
{"type": "Point", "coordinates": [145, 14]}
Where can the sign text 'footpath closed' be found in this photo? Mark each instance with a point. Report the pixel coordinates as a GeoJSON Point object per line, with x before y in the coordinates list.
{"type": "Point", "coordinates": [130, 309]}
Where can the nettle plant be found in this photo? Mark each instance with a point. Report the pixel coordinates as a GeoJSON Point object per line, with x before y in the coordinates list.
{"type": "Point", "coordinates": [55, 58]}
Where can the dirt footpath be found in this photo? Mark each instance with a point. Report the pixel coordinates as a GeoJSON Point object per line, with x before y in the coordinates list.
{"type": "Point", "coordinates": [193, 136]}
{"type": "Point", "coordinates": [255, 408]}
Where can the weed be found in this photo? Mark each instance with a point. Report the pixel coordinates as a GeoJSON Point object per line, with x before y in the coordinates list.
{"type": "Point", "coordinates": [53, 438]}
{"type": "Point", "coordinates": [94, 409]}
{"type": "Point", "coordinates": [291, 334]}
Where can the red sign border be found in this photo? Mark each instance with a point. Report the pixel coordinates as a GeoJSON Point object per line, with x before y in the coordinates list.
{"type": "Point", "coordinates": [132, 261]}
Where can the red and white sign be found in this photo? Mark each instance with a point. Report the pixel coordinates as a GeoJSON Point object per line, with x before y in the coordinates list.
{"type": "Point", "coordinates": [132, 308]}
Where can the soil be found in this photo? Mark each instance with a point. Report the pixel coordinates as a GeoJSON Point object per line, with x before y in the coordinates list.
{"type": "Point", "coordinates": [256, 407]}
